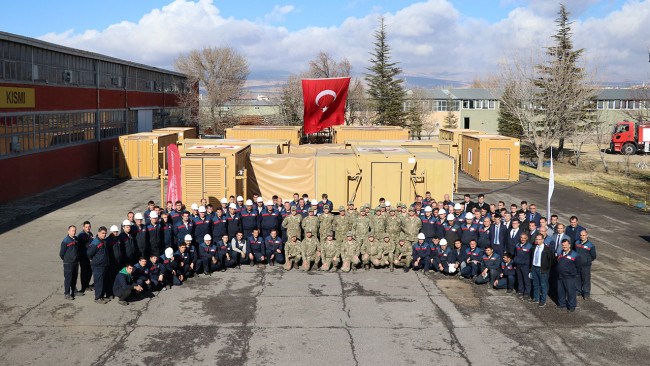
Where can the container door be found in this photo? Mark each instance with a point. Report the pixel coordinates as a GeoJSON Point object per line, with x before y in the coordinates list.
{"type": "Point", "coordinates": [146, 158]}
{"type": "Point", "coordinates": [214, 173]}
{"type": "Point", "coordinates": [499, 164]}
{"type": "Point", "coordinates": [131, 147]}
{"type": "Point", "coordinates": [386, 181]}
{"type": "Point", "coordinates": [192, 179]}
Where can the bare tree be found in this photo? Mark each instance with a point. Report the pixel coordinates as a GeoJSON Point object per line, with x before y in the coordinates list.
{"type": "Point", "coordinates": [221, 72]}
{"type": "Point", "coordinates": [357, 111]}
{"type": "Point", "coordinates": [450, 119]}
{"type": "Point", "coordinates": [291, 103]}
{"type": "Point", "coordinates": [188, 100]}
{"type": "Point", "coordinates": [602, 134]}
{"type": "Point", "coordinates": [640, 99]}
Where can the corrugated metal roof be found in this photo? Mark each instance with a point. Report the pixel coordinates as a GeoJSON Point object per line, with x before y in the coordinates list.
{"type": "Point", "coordinates": [485, 93]}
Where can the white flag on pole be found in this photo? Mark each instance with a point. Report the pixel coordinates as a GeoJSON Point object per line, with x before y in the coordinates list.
{"type": "Point", "coordinates": [551, 187]}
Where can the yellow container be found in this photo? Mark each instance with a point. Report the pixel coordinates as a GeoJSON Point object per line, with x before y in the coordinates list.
{"type": "Point", "coordinates": [257, 146]}
{"type": "Point", "coordinates": [291, 133]}
{"type": "Point", "coordinates": [142, 155]}
{"type": "Point", "coordinates": [384, 172]}
{"type": "Point", "coordinates": [456, 135]}
{"type": "Point", "coordinates": [491, 157]}
{"type": "Point", "coordinates": [427, 149]}
{"type": "Point", "coordinates": [336, 175]}
{"type": "Point", "coordinates": [343, 133]}
{"type": "Point", "coordinates": [445, 146]}
{"type": "Point", "coordinates": [434, 172]}
{"type": "Point", "coordinates": [213, 172]}
{"type": "Point", "coordinates": [313, 148]}
{"type": "Point", "coordinates": [283, 174]}
{"type": "Point", "coordinates": [182, 132]}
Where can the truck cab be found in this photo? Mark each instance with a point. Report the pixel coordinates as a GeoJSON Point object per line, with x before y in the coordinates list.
{"type": "Point", "coordinates": [629, 137]}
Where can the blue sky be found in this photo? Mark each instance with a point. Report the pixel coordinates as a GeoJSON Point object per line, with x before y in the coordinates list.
{"type": "Point", "coordinates": [455, 39]}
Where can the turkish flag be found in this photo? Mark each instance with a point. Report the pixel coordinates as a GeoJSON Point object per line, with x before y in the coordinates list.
{"type": "Point", "coordinates": [324, 101]}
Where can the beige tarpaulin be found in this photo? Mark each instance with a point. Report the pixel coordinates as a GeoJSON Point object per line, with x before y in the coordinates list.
{"type": "Point", "coordinates": [311, 148]}
{"type": "Point", "coordinates": [283, 175]}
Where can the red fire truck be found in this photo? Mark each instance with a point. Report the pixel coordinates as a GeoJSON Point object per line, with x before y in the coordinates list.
{"type": "Point", "coordinates": [630, 137]}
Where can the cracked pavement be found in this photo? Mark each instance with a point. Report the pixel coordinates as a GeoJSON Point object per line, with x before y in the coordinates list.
{"type": "Point", "coordinates": [268, 315]}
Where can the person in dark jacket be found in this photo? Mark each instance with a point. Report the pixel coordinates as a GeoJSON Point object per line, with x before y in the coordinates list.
{"type": "Point", "coordinates": [123, 286]}
{"type": "Point", "coordinates": [250, 219]}
{"type": "Point", "coordinates": [587, 252]}
{"type": "Point", "coordinates": [269, 220]}
{"type": "Point", "coordinates": [183, 228]}
{"type": "Point", "coordinates": [219, 223]}
{"type": "Point", "coordinates": [155, 274]}
{"type": "Point", "coordinates": [574, 230]}
{"type": "Point", "coordinates": [234, 221]}
{"type": "Point", "coordinates": [498, 235]}
{"type": "Point", "coordinates": [69, 254]}
{"type": "Point", "coordinates": [457, 256]}
{"type": "Point", "coordinates": [128, 244]}
{"type": "Point", "coordinates": [507, 274]}
{"type": "Point", "coordinates": [484, 233]}
{"type": "Point", "coordinates": [256, 248]}
{"type": "Point", "coordinates": [167, 232]}
{"type": "Point", "coordinates": [522, 258]}
{"type": "Point", "coordinates": [167, 264]}
{"type": "Point", "coordinates": [274, 248]}
{"type": "Point", "coordinates": [141, 236]}
{"type": "Point", "coordinates": [141, 274]}
{"type": "Point", "coordinates": [513, 237]}
{"type": "Point", "coordinates": [115, 253]}
{"type": "Point", "coordinates": [490, 264]}
{"type": "Point", "coordinates": [84, 239]}
{"type": "Point", "coordinates": [155, 235]}
{"type": "Point", "coordinates": [208, 256]}
{"type": "Point", "coordinates": [542, 258]}
{"type": "Point", "coordinates": [98, 256]}
{"type": "Point", "coordinates": [202, 225]}
{"type": "Point", "coordinates": [183, 261]}
{"type": "Point", "coordinates": [568, 268]}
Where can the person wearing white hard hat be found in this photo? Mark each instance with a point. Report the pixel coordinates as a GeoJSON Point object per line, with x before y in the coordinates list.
{"type": "Point", "coordinates": [208, 256]}
{"type": "Point", "coordinates": [183, 228]}
{"type": "Point", "coordinates": [440, 223]}
{"type": "Point", "coordinates": [468, 230]}
{"type": "Point", "coordinates": [184, 262]}
{"type": "Point", "coordinates": [202, 225]}
{"type": "Point", "coordinates": [452, 231]}
{"type": "Point", "coordinates": [259, 205]}
{"type": "Point", "coordinates": [168, 267]}
{"type": "Point", "coordinates": [421, 252]}
{"type": "Point", "coordinates": [128, 243]}
{"type": "Point", "coordinates": [239, 205]}
{"type": "Point", "coordinates": [324, 201]}
{"type": "Point", "coordinates": [139, 232]}
{"type": "Point", "coordinates": [195, 210]}
{"type": "Point", "coordinates": [441, 261]}
{"type": "Point", "coordinates": [429, 224]}
{"type": "Point", "coordinates": [270, 219]}
{"type": "Point", "coordinates": [249, 219]}
{"type": "Point", "coordinates": [224, 204]}
{"type": "Point", "coordinates": [234, 221]}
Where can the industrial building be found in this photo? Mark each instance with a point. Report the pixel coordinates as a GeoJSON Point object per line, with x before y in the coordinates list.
{"type": "Point", "coordinates": [62, 111]}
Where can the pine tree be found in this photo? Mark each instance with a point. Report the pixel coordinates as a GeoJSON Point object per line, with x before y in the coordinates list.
{"type": "Point", "coordinates": [562, 82]}
{"type": "Point", "coordinates": [508, 125]}
{"type": "Point", "coordinates": [450, 119]}
{"type": "Point", "coordinates": [386, 92]}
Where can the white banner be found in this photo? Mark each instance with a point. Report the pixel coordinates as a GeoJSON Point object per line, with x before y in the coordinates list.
{"type": "Point", "coordinates": [551, 187]}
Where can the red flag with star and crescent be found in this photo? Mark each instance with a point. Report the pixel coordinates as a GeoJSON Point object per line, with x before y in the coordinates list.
{"type": "Point", "coordinates": [324, 101]}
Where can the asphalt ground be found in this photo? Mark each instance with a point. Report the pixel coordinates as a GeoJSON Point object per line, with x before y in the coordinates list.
{"type": "Point", "coordinates": [270, 316]}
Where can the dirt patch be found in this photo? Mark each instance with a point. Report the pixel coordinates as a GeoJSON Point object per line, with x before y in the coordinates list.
{"type": "Point", "coordinates": [459, 292]}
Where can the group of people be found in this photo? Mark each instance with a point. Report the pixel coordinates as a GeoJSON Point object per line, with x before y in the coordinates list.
{"type": "Point", "coordinates": [517, 249]}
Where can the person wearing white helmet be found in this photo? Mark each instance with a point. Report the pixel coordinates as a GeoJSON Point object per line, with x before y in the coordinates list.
{"type": "Point", "coordinates": [139, 232]}
{"type": "Point", "coordinates": [208, 255]}
{"type": "Point", "coordinates": [202, 225]}
{"type": "Point", "coordinates": [185, 261]}
{"type": "Point", "coordinates": [168, 268]}
{"type": "Point", "coordinates": [224, 204]}
{"type": "Point", "coordinates": [441, 261]}
{"type": "Point", "coordinates": [324, 201]}
{"type": "Point", "coordinates": [240, 204]}
{"type": "Point", "coordinates": [270, 219]}
{"type": "Point", "coordinates": [429, 224]}
{"type": "Point", "coordinates": [421, 252]}
{"type": "Point", "coordinates": [468, 230]}
{"type": "Point", "coordinates": [440, 223]}
{"type": "Point", "coordinates": [195, 211]}
{"type": "Point", "coordinates": [114, 252]}
{"type": "Point", "coordinates": [249, 219]}
{"type": "Point", "coordinates": [234, 221]}
{"type": "Point", "coordinates": [259, 205]}
{"type": "Point", "coordinates": [452, 231]}
{"type": "Point", "coordinates": [128, 243]}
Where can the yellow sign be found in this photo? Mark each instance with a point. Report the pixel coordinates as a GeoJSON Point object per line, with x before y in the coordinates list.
{"type": "Point", "coordinates": [17, 98]}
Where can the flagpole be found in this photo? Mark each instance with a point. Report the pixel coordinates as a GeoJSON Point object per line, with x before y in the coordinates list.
{"type": "Point", "coordinates": [551, 187]}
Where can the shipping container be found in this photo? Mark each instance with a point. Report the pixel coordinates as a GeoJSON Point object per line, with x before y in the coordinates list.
{"type": "Point", "coordinates": [456, 135]}
{"type": "Point", "coordinates": [342, 133]}
{"type": "Point", "coordinates": [142, 155]}
{"type": "Point", "coordinates": [434, 172]}
{"type": "Point", "coordinates": [182, 132]}
{"type": "Point", "coordinates": [283, 175]}
{"type": "Point", "coordinates": [491, 157]}
{"type": "Point", "coordinates": [445, 146]}
{"type": "Point", "coordinates": [426, 149]}
{"type": "Point", "coordinates": [384, 172]}
{"type": "Point", "coordinates": [313, 148]}
{"type": "Point", "coordinates": [213, 172]}
{"type": "Point", "coordinates": [291, 133]}
{"type": "Point", "coordinates": [258, 146]}
{"type": "Point", "coordinates": [337, 174]}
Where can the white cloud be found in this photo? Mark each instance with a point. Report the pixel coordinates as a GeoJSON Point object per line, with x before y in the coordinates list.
{"type": "Point", "coordinates": [427, 38]}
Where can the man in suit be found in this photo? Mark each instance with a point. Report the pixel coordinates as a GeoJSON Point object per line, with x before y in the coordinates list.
{"type": "Point", "coordinates": [513, 236]}
{"type": "Point", "coordinates": [481, 203]}
{"type": "Point", "coordinates": [557, 238]}
{"type": "Point", "coordinates": [541, 266]}
{"type": "Point", "coordinates": [574, 230]}
{"type": "Point", "coordinates": [507, 220]}
{"type": "Point", "coordinates": [468, 205]}
{"type": "Point", "coordinates": [498, 235]}
{"type": "Point", "coordinates": [532, 215]}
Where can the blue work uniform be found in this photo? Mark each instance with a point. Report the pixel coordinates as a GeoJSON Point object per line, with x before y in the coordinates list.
{"type": "Point", "coordinates": [69, 254]}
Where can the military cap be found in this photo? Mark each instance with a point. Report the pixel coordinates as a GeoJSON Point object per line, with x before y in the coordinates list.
{"type": "Point", "coordinates": [402, 238]}
{"type": "Point", "coordinates": [386, 235]}
{"type": "Point", "coordinates": [411, 209]}
{"type": "Point", "coordinates": [329, 233]}
{"type": "Point", "coordinates": [393, 209]}
{"type": "Point", "coordinates": [382, 205]}
{"type": "Point", "coordinates": [293, 208]}
{"type": "Point", "coordinates": [350, 233]}
{"type": "Point", "coordinates": [371, 234]}
{"type": "Point", "coordinates": [341, 208]}
{"type": "Point", "coordinates": [350, 202]}
{"type": "Point", "coordinates": [308, 231]}
{"type": "Point", "coordinates": [311, 209]}
{"type": "Point", "coordinates": [326, 207]}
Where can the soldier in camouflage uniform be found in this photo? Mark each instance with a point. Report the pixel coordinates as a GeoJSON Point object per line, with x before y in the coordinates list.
{"type": "Point", "coordinates": [310, 222]}
{"type": "Point", "coordinates": [292, 252]}
{"type": "Point", "coordinates": [403, 214]}
{"type": "Point", "coordinates": [350, 249]}
{"type": "Point", "coordinates": [388, 249]}
{"type": "Point", "coordinates": [291, 224]}
{"type": "Point", "coordinates": [308, 250]}
{"type": "Point", "coordinates": [352, 212]}
{"type": "Point", "coordinates": [361, 227]}
{"type": "Point", "coordinates": [393, 224]}
{"type": "Point", "coordinates": [403, 255]}
{"type": "Point", "coordinates": [341, 224]}
{"type": "Point", "coordinates": [330, 253]}
{"type": "Point", "coordinates": [378, 224]}
{"type": "Point", "coordinates": [372, 252]}
{"type": "Point", "coordinates": [325, 222]}
{"type": "Point", "coordinates": [411, 226]}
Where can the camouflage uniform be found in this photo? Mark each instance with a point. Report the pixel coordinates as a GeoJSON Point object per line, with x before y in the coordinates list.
{"type": "Point", "coordinates": [330, 254]}
{"type": "Point", "coordinates": [291, 224]}
{"type": "Point", "coordinates": [403, 255]}
{"type": "Point", "coordinates": [388, 250]}
{"type": "Point", "coordinates": [394, 227]}
{"type": "Point", "coordinates": [350, 249]}
{"type": "Point", "coordinates": [372, 252]}
{"type": "Point", "coordinates": [310, 222]}
{"type": "Point", "coordinates": [340, 226]}
{"type": "Point", "coordinates": [411, 227]}
{"type": "Point", "coordinates": [308, 252]}
{"type": "Point", "coordinates": [378, 225]}
{"type": "Point", "coordinates": [361, 229]}
{"type": "Point", "coordinates": [325, 224]}
{"type": "Point", "coordinates": [292, 253]}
